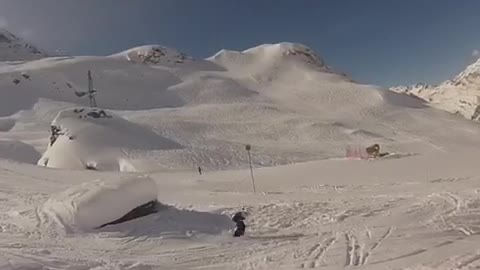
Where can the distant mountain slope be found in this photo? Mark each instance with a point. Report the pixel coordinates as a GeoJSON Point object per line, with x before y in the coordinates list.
{"type": "Point", "coordinates": [13, 48]}
{"type": "Point", "coordinates": [461, 95]}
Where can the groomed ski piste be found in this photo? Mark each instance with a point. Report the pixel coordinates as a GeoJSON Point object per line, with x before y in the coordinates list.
{"type": "Point", "coordinates": [162, 114]}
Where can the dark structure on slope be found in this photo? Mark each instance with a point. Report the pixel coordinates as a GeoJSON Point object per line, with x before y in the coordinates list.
{"type": "Point", "coordinates": [140, 211]}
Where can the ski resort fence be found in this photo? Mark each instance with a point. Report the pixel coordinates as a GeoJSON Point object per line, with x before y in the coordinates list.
{"type": "Point", "coordinates": [356, 152]}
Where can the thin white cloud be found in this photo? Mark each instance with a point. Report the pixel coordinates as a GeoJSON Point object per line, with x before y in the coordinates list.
{"type": "Point", "coordinates": [476, 53]}
{"type": "Point", "coordinates": [26, 34]}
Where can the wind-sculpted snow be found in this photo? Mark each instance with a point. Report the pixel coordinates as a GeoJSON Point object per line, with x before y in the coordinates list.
{"type": "Point", "coordinates": [93, 204]}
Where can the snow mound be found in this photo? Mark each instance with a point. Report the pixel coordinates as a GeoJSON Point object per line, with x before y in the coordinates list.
{"type": "Point", "coordinates": [93, 204]}
{"type": "Point", "coordinates": [97, 139]}
{"type": "Point", "coordinates": [13, 48]}
{"type": "Point", "coordinates": [18, 151]}
{"type": "Point", "coordinates": [155, 54]}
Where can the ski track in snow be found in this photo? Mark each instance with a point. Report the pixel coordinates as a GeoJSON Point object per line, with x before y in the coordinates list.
{"type": "Point", "coordinates": [302, 234]}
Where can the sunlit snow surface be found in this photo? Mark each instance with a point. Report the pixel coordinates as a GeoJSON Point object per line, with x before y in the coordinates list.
{"type": "Point", "coordinates": [170, 113]}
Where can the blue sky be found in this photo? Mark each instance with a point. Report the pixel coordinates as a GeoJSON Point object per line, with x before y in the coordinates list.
{"type": "Point", "coordinates": [384, 42]}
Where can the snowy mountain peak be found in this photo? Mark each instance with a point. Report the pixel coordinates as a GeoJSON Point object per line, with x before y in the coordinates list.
{"type": "Point", "coordinates": [154, 54]}
{"type": "Point", "coordinates": [274, 52]}
{"type": "Point", "coordinates": [412, 89]}
{"type": "Point", "coordinates": [6, 36]}
{"type": "Point", "coordinates": [13, 48]}
{"type": "Point", "coordinates": [471, 74]}
{"type": "Point", "coordinates": [460, 95]}
{"type": "Point", "coordinates": [288, 49]}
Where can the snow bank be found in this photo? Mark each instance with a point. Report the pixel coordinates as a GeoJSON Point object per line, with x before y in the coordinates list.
{"type": "Point", "coordinates": [89, 138]}
{"type": "Point", "coordinates": [93, 204]}
{"type": "Point", "coordinates": [18, 151]}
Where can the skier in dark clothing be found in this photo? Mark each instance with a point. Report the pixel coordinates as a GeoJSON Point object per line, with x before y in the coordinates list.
{"type": "Point", "coordinates": [238, 218]}
{"type": "Point", "coordinates": [199, 170]}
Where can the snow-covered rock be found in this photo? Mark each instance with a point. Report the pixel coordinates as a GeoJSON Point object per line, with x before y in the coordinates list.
{"type": "Point", "coordinates": [90, 138]}
{"type": "Point", "coordinates": [155, 55]}
{"type": "Point", "coordinates": [13, 48]}
{"type": "Point", "coordinates": [93, 204]}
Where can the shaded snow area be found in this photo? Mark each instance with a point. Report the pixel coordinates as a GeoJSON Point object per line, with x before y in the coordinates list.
{"type": "Point", "coordinates": [13, 48]}
{"type": "Point", "coordinates": [86, 138]}
{"type": "Point", "coordinates": [162, 115]}
{"type": "Point", "coordinates": [6, 124]}
{"type": "Point", "coordinates": [18, 151]}
{"type": "Point", "coordinates": [93, 204]}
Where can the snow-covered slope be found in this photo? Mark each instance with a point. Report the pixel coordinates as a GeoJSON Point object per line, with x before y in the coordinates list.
{"type": "Point", "coordinates": [460, 95]}
{"type": "Point", "coordinates": [13, 48]}
{"type": "Point", "coordinates": [280, 98]}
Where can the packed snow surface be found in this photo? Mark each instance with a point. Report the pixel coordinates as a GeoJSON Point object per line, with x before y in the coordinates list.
{"type": "Point", "coordinates": [314, 208]}
{"type": "Point", "coordinates": [93, 204]}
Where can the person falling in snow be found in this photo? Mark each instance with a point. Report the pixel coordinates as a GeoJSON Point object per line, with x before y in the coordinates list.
{"type": "Point", "coordinates": [238, 218]}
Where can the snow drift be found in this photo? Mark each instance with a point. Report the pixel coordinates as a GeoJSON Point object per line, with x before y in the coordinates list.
{"type": "Point", "coordinates": [89, 138]}
{"type": "Point", "coordinates": [94, 204]}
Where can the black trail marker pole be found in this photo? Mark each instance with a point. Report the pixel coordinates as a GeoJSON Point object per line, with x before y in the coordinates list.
{"type": "Point", "coordinates": [248, 148]}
